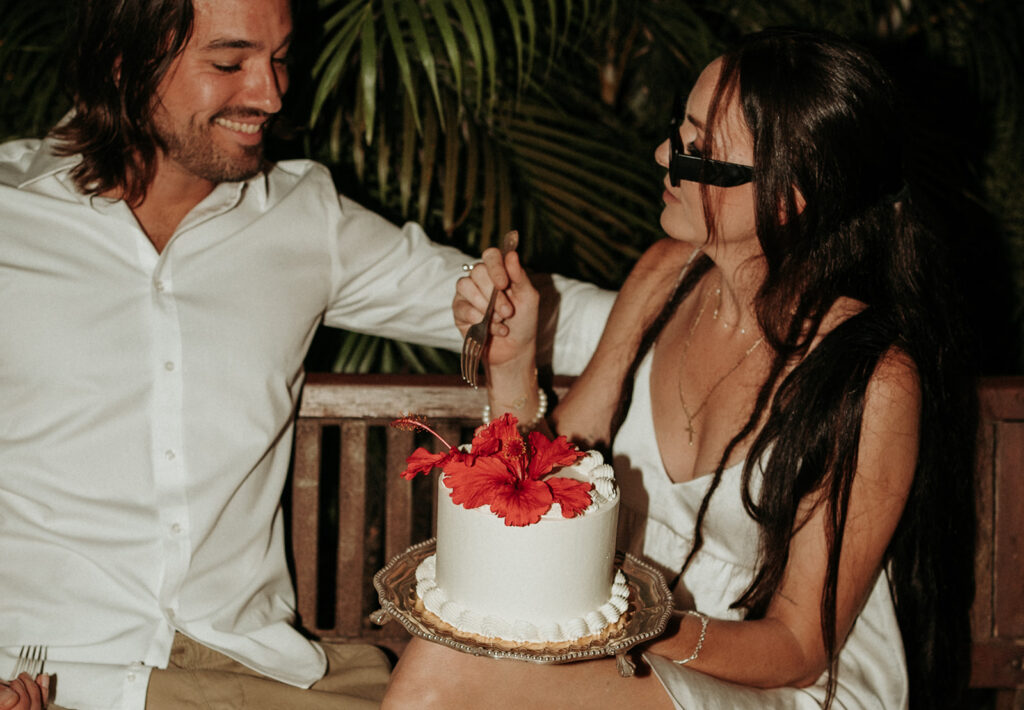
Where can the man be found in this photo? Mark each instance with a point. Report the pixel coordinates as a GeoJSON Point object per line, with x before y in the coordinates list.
{"type": "Point", "coordinates": [161, 285]}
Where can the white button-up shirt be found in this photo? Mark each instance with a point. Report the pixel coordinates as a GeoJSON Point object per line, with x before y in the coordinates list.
{"type": "Point", "coordinates": [147, 407]}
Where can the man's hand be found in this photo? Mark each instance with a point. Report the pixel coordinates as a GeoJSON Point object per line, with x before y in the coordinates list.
{"type": "Point", "coordinates": [23, 693]}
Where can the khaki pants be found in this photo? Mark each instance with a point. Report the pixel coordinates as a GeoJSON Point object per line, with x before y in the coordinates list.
{"type": "Point", "coordinates": [198, 678]}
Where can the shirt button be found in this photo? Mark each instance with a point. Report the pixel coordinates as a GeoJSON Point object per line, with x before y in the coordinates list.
{"type": "Point", "coordinates": [159, 286]}
{"type": "Point", "coordinates": [169, 366]}
{"type": "Point", "coordinates": [169, 454]}
{"type": "Point", "coordinates": [131, 677]}
{"type": "Point", "coordinates": [176, 529]}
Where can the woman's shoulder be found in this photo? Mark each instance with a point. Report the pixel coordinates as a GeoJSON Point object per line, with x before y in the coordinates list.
{"type": "Point", "coordinates": [659, 267]}
{"type": "Point", "coordinates": [870, 332]}
{"type": "Point", "coordinates": [842, 309]}
{"type": "Point", "coordinates": [667, 254]}
{"type": "Point", "coordinates": [586, 412]}
{"type": "Point", "coordinates": [651, 283]}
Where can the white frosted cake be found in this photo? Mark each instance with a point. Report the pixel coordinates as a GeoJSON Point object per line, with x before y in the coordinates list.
{"type": "Point", "coordinates": [549, 582]}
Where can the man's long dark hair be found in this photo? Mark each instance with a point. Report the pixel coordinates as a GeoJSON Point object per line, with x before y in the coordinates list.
{"type": "Point", "coordinates": [824, 118]}
{"type": "Point", "coordinates": [120, 51]}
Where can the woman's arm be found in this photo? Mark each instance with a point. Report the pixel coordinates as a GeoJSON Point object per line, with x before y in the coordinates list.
{"type": "Point", "coordinates": [585, 414]}
{"type": "Point", "coordinates": [787, 647]}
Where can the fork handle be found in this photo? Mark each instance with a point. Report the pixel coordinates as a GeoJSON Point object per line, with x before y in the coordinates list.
{"type": "Point", "coordinates": [489, 313]}
{"type": "Point", "coordinates": [509, 242]}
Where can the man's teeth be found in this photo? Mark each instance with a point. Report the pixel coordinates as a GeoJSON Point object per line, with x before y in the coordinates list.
{"type": "Point", "coordinates": [236, 126]}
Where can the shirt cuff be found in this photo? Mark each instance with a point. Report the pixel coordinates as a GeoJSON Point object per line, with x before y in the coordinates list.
{"type": "Point", "coordinates": [582, 311]}
{"type": "Point", "coordinates": [97, 686]}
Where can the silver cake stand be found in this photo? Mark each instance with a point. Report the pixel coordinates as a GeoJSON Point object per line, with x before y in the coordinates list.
{"type": "Point", "coordinates": [650, 606]}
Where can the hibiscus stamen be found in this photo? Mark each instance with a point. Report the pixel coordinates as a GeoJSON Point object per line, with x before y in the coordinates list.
{"type": "Point", "coordinates": [515, 448]}
{"type": "Point", "coordinates": [412, 422]}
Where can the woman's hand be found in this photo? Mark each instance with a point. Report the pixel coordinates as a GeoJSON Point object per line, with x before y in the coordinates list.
{"type": "Point", "coordinates": [23, 693]}
{"type": "Point", "coordinates": [514, 327]}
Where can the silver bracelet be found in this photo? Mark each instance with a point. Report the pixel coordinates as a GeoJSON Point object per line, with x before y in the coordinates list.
{"type": "Point", "coordinates": [542, 409]}
{"type": "Point", "coordinates": [700, 640]}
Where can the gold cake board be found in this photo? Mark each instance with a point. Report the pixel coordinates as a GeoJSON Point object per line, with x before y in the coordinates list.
{"type": "Point", "coordinates": [650, 605]}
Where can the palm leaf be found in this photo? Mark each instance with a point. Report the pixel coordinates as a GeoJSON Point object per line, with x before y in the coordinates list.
{"type": "Point", "coordinates": [543, 113]}
{"type": "Point", "coordinates": [473, 45]}
{"type": "Point", "coordinates": [550, 125]}
{"type": "Point", "coordinates": [424, 52]}
{"type": "Point", "coordinates": [451, 47]}
{"type": "Point", "coordinates": [31, 44]}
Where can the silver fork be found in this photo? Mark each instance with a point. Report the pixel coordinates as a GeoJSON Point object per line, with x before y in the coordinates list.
{"type": "Point", "coordinates": [31, 660]}
{"type": "Point", "coordinates": [479, 333]}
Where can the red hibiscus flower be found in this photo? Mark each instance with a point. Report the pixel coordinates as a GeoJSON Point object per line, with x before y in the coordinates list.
{"type": "Point", "coordinates": [505, 472]}
{"type": "Point", "coordinates": [422, 461]}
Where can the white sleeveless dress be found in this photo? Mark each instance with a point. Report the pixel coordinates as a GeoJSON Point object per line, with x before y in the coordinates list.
{"type": "Point", "coordinates": [656, 523]}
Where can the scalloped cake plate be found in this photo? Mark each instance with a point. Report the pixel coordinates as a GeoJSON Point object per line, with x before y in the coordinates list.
{"type": "Point", "coordinates": [650, 605]}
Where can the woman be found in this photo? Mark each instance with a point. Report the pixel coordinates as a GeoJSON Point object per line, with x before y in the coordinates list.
{"type": "Point", "coordinates": [793, 438]}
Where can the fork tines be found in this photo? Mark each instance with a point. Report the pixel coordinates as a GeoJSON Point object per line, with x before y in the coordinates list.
{"type": "Point", "coordinates": [31, 660]}
{"type": "Point", "coordinates": [471, 350]}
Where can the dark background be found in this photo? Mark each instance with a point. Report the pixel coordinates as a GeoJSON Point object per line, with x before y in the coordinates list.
{"type": "Point", "coordinates": [473, 117]}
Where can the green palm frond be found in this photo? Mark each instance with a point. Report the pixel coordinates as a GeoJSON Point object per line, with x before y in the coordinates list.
{"type": "Point", "coordinates": [473, 116]}
{"type": "Point", "coordinates": [31, 43]}
{"type": "Point", "coordinates": [449, 43]}
{"type": "Point", "coordinates": [543, 115]}
{"type": "Point", "coordinates": [591, 186]}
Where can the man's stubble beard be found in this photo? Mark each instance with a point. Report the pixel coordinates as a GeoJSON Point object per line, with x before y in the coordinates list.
{"type": "Point", "coordinates": [197, 152]}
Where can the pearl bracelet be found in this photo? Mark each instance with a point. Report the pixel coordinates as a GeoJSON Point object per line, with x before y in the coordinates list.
{"type": "Point", "coordinates": [700, 640]}
{"type": "Point", "coordinates": [542, 409]}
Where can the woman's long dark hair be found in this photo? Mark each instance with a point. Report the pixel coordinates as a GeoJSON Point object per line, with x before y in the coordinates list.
{"type": "Point", "coordinates": [121, 50]}
{"type": "Point", "coordinates": [825, 120]}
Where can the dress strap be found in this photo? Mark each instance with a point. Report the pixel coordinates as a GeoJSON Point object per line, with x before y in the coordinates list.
{"type": "Point", "coordinates": [689, 262]}
{"type": "Point", "coordinates": [625, 396]}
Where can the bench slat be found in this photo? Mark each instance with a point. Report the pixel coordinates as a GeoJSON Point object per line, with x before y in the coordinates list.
{"type": "Point", "coordinates": [349, 612]}
{"type": "Point", "coordinates": [305, 517]}
{"type": "Point", "coordinates": [1009, 530]}
{"type": "Point", "coordinates": [398, 521]}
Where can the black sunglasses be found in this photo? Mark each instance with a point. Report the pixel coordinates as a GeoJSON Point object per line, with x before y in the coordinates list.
{"type": "Point", "coordinates": [697, 168]}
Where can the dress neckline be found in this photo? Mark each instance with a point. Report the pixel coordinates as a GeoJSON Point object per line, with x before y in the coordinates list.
{"type": "Point", "coordinates": [643, 375]}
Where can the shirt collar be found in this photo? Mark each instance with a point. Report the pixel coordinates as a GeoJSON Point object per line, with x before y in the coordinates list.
{"type": "Point", "coordinates": [47, 163]}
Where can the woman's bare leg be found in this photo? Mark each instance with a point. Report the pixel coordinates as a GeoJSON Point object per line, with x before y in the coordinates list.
{"type": "Point", "coordinates": [430, 675]}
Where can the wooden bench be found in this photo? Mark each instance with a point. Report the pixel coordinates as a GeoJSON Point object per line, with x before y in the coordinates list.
{"type": "Point", "coordinates": [997, 618]}
{"type": "Point", "coordinates": [350, 511]}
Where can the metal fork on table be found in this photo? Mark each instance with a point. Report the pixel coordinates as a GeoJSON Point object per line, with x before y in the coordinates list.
{"type": "Point", "coordinates": [479, 333]}
{"type": "Point", "coordinates": [31, 660]}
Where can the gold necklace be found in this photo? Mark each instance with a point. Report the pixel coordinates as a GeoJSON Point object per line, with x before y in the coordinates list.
{"type": "Point", "coordinates": [714, 313]}
{"type": "Point", "coordinates": [682, 358]}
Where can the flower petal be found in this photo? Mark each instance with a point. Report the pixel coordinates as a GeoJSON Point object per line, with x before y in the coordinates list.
{"type": "Point", "coordinates": [485, 443]}
{"type": "Point", "coordinates": [492, 438]}
{"type": "Point", "coordinates": [476, 483]}
{"type": "Point", "coordinates": [548, 454]}
{"type": "Point", "coordinates": [422, 461]}
{"type": "Point", "coordinates": [572, 495]}
{"type": "Point", "coordinates": [523, 503]}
